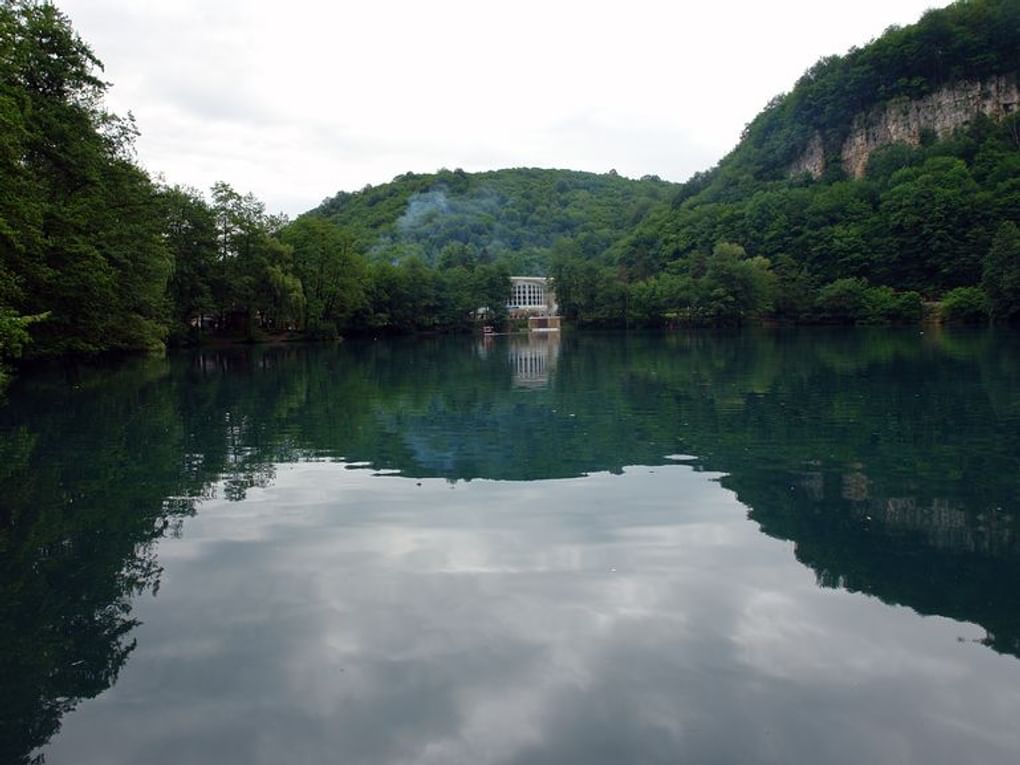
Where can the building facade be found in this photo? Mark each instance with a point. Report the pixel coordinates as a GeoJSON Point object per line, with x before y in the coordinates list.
{"type": "Point", "coordinates": [531, 296]}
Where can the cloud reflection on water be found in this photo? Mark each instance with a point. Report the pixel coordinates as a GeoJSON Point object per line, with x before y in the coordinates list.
{"type": "Point", "coordinates": [339, 615]}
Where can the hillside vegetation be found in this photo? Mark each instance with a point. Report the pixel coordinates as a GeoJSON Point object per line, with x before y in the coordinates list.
{"type": "Point", "coordinates": [513, 216]}
{"type": "Point", "coordinates": [971, 40]}
{"type": "Point", "coordinates": [96, 256]}
{"type": "Point", "coordinates": [751, 238]}
{"type": "Point", "coordinates": [923, 222]}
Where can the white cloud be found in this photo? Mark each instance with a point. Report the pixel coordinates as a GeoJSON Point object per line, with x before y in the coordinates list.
{"type": "Point", "coordinates": [299, 100]}
{"type": "Point", "coordinates": [336, 616]}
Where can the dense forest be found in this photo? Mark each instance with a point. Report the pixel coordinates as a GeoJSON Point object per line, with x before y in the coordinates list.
{"type": "Point", "coordinates": [95, 255]}
{"type": "Point", "coordinates": [509, 216]}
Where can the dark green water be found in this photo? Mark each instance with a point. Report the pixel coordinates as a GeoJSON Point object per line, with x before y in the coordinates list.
{"type": "Point", "coordinates": [790, 547]}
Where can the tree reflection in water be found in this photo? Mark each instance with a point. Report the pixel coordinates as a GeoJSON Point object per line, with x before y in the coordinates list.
{"type": "Point", "coordinates": [890, 459]}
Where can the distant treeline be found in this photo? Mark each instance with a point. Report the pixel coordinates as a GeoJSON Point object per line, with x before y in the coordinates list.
{"type": "Point", "coordinates": [95, 256]}
{"type": "Point", "coordinates": [240, 272]}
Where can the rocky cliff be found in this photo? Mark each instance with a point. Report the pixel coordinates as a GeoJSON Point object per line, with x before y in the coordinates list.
{"type": "Point", "coordinates": [904, 120]}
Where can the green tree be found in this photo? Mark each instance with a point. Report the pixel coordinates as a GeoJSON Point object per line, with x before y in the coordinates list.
{"type": "Point", "coordinates": [492, 289]}
{"type": "Point", "coordinates": [930, 212]}
{"type": "Point", "coordinates": [258, 290]}
{"type": "Point", "coordinates": [794, 289]}
{"type": "Point", "coordinates": [884, 305]}
{"type": "Point", "coordinates": [332, 273]}
{"type": "Point", "coordinates": [457, 298]}
{"type": "Point", "coordinates": [13, 336]}
{"type": "Point", "coordinates": [734, 287]}
{"type": "Point", "coordinates": [843, 301]}
{"type": "Point", "coordinates": [191, 235]}
{"type": "Point", "coordinates": [965, 305]}
{"type": "Point", "coordinates": [81, 229]}
{"type": "Point", "coordinates": [1001, 277]}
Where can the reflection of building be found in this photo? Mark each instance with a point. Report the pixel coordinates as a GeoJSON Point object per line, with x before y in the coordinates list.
{"type": "Point", "coordinates": [532, 359]}
{"type": "Point", "coordinates": [531, 296]}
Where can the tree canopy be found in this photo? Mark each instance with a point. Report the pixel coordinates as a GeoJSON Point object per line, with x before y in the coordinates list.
{"type": "Point", "coordinates": [80, 229]}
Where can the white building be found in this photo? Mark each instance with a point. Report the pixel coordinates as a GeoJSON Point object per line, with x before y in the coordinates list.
{"type": "Point", "coordinates": [531, 296]}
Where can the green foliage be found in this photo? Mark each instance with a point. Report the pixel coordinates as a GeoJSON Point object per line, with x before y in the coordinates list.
{"type": "Point", "coordinates": [968, 40]}
{"type": "Point", "coordinates": [80, 227]}
{"type": "Point", "coordinates": [332, 274]}
{"type": "Point", "coordinates": [964, 305]}
{"type": "Point", "coordinates": [191, 235]}
{"type": "Point", "coordinates": [727, 288]}
{"type": "Point", "coordinates": [919, 221]}
{"type": "Point", "coordinates": [794, 289]}
{"type": "Point", "coordinates": [511, 216]}
{"type": "Point", "coordinates": [851, 300]}
{"type": "Point", "coordinates": [587, 293]}
{"type": "Point", "coordinates": [410, 296]}
{"type": "Point", "coordinates": [14, 335]}
{"type": "Point", "coordinates": [735, 287]}
{"type": "Point", "coordinates": [843, 301]}
{"type": "Point", "coordinates": [930, 214]}
{"type": "Point", "coordinates": [884, 305]}
{"type": "Point", "coordinates": [1001, 277]}
{"type": "Point", "coordinates": [922, 226]}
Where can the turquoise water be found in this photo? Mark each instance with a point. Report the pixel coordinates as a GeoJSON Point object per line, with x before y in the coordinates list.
{"type": "Point", "coordinates": [774, 547]}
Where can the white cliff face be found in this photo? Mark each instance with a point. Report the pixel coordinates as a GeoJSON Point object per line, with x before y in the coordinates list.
{"type": "Point", "coordinates": [903, 120]}
{"type": "Point", "coordinates": [812, 161]}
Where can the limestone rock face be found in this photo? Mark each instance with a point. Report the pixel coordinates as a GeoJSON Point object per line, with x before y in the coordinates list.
{"type": "Point", "coordinates": [812, 161]}
{"type": "Point", "coordinates": [904, 120]}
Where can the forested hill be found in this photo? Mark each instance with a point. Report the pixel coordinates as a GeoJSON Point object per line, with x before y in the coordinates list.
{"type": "Point", "coordinates": [512, 216]}
{"type": "Point", "coordinates": [886, 177]}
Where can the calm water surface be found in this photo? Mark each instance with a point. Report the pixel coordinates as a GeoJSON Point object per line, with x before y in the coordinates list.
{"type": "Point", "coordinates": [792, 547]}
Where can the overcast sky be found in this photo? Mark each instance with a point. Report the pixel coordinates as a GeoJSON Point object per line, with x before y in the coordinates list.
{"type": "Point", "coordinates": [297, 100]}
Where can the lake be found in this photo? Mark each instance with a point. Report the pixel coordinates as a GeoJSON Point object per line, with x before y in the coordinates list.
{"type": "Point", "coordinates": [758, 547]}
